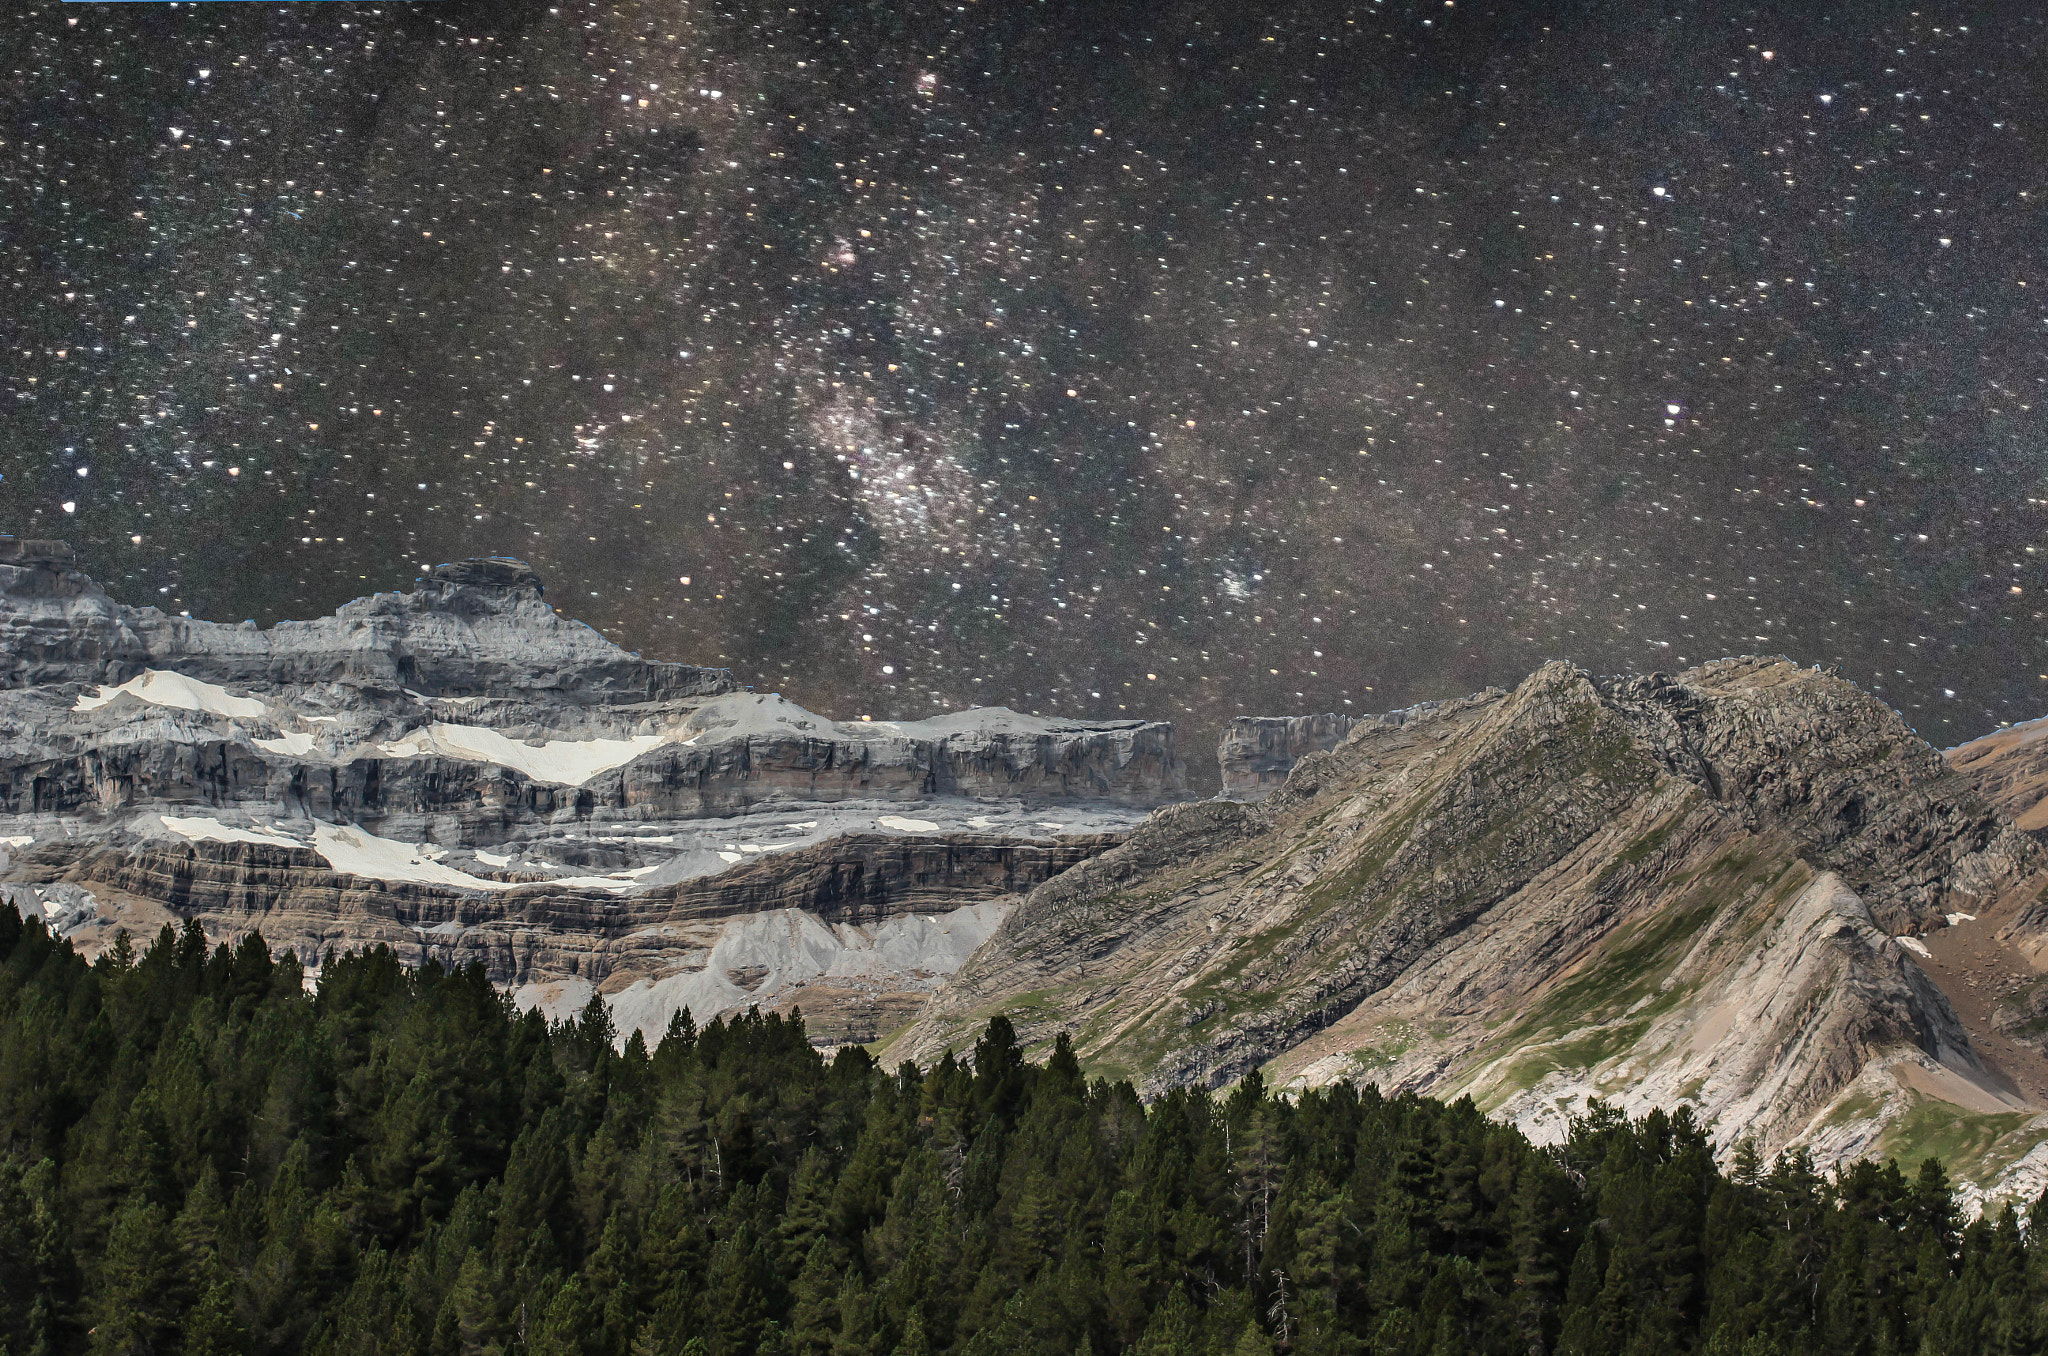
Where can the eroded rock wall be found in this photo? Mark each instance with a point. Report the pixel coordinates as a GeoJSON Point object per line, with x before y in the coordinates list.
{"type": "Point", "coordinates": [461, 772]}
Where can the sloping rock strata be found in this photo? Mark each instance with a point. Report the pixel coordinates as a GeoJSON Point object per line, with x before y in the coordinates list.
{"type": "Point", "coordinates": [1717, 888]}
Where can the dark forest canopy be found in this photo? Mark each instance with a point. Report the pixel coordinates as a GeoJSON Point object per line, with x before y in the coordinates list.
{"type": "Point", "coordinates": [198, 1156]}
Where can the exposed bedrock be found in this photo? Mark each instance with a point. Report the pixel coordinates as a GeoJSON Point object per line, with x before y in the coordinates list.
{"type": "Point", "coordinates": [2010, 767]}
{"type": "Point", "coordinates": [1719, 887]}
{"type": "Point", "coordinates": [178, 761]}
{"type": "Point", "coordinates": [461, 772]}
{"type": "Point", "coordinates": [1256, 753]}
{"type": "Point", "coordinates": [465, 708]}
{"type": "Point", "coordinates": [467, 628]}
{"type": "Point", "coordinates": [534, 935]}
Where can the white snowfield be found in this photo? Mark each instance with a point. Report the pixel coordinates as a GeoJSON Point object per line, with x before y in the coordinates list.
{"type": "Point", "coordinates": [696, 848]}
{"type": "Point", "coordinates": [611, 883]}
{"type": "Point", "coordinates": [743, 714]}
{"type": "Point", "coordinates": [160, 687]}
{"type": "Point", "coordinates": [907, 825]}
{"type": "Point", "coordinates": [64, 908]}
{"type": "Point", "coordinates": [198, 827]}
{"type": "Point", "coordinates": [568, 762]}
{"type": "Point", "coordinates": [362, 853]}
{"type": "Point", "coordinates": [572, 762]}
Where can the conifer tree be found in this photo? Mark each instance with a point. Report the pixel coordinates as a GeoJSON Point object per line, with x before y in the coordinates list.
{"type": "Point", "coordinates": [141, 1292]}
{"type": "Point", "coordinates": [199, 1158]}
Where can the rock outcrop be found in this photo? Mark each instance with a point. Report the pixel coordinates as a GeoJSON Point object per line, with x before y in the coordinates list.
{"type": "Point", "coordinates": [1257, 752]}
{"type": "Point", "coordinates": [463, 738]}
{"type": "Point", "coordinates": [470, 628]}
{"type": "Point", "coordinates": [857, 930]}
{"type": "Point", "coordinates": [1724, 887]}
{"type": "Point", "coordinates": [2010, 767]}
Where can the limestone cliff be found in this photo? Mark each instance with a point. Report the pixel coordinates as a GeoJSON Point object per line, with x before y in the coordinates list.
{"type": "Point", "coordinates": [1256, 753]}
{"type": "Point", "coordinates": [856, 930]}
{"type": "Point", "coordinates": [464, 741]}
{"type": "Point", "coordinates": [2010, 766]}
{"type": "Point", "coordinates": [1728, 887]}
{"type": "Point", "coordinates": [471, 627]}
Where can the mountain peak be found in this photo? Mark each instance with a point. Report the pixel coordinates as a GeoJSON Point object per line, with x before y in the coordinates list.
{"type": "Point", "coordinates": [31, 551]}
{"type": "Point", "coordinates": [483, 572]}
{"type": "Point", "coordinates": [1717, 885]}
{"type": "Point", "coordinates": [468, 628]}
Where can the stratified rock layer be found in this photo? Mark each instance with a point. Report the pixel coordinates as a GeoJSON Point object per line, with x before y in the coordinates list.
{"type": "Point", "coordinates": [856, 930]}
{"type": "Point", "coordinates": [1257, 752]}
{"type": "Point", "coordinates": [470, 628]}
{"type": "Point", "coordinates": [1651, 889]}
{"type": "Point", "coordinates": [464, 742]}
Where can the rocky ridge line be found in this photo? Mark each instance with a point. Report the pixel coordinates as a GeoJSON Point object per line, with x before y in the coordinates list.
{"type": "Point", "coordinates": [1720, 886]}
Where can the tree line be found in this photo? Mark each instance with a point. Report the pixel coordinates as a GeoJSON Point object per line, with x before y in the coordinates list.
{"type": "Point", "coordinates": [199, 1156]}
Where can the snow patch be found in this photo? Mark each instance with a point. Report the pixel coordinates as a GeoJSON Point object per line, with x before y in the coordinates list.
{"type": "Point", "coordinates": [201, 827]}
{"type": "Point", "coordinates": [493, 859]}
{"type": "Point", "coordinates": [361, 853]}
{"type": "Point", "coordinates": [1916, 946]}
{"type": "Point", "coordinates": [568, 762]}
{"type": "Point", "coordinates": [906, 825]}
{"type": "Point", "coordinates": [292, 743]}
{"type": "Point", "coordinates": [63, 907]}
{"type": "Point", "coordinates": [747, 714]}
{"type": "Point", "coordinates": [160, 687]}
{"type": "Point", "coordinates": [571, 882]}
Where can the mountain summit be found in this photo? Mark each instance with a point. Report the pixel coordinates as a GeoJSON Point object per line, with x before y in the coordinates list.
{"type": "Point", "coordinates": [1715, 888]}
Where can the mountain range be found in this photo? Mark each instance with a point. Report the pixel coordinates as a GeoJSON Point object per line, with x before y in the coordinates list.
{"type": "Point", "coordinates": [1750, 886]}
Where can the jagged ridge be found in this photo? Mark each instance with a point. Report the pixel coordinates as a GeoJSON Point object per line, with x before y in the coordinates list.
{"type": "Point", "coordinates": [1541, 895]}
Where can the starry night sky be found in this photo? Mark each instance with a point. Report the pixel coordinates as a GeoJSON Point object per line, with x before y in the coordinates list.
{"type": "Point", "coordinates": [1180, 360]}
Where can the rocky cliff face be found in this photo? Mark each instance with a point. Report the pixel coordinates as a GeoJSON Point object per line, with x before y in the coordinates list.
{"type": "Point", "coordinates": [1257, 752]}
{"type": "Point", "coordinates": [1734, 887]}
{"type": "Point", "coordinates": [471, 627]}
{"type": "Point", "coordinates": [2010, 768]}
{"type": "Point", "coordinates": [857, 930]}
{"type": "Point", "coordinates": [464, 738]}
